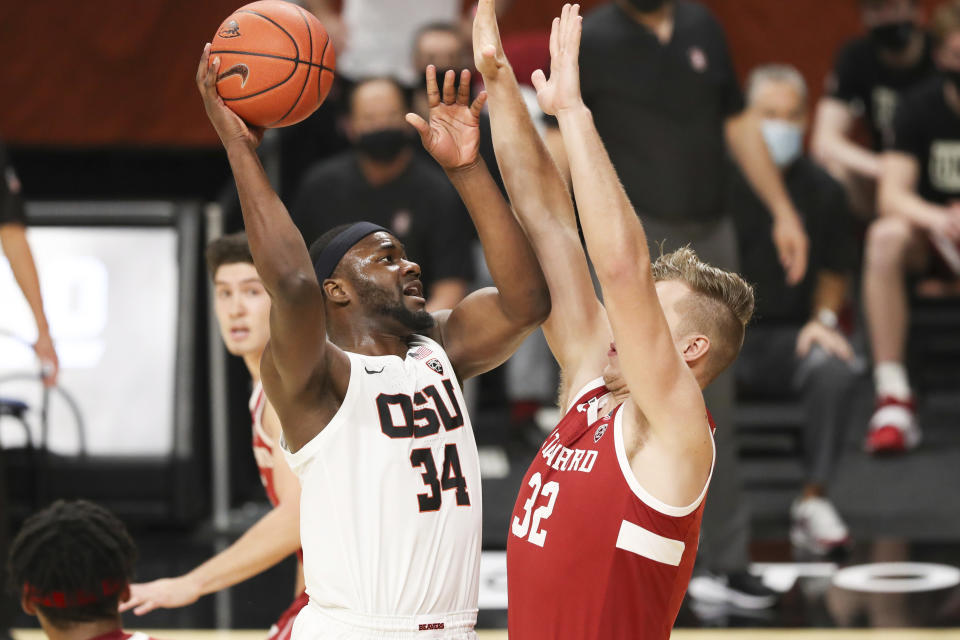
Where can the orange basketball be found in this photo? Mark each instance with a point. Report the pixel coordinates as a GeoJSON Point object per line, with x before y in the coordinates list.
{"type": "Point", "coordinates": [276, 63]}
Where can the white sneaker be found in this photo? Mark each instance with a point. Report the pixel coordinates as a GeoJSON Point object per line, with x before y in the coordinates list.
{"type": "Point", "coordinates": [816, 527]}
{"type": "Point", "coordinates": [741, 589]}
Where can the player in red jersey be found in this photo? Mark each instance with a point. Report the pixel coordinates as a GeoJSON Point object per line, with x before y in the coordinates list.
{"type": "Point", "coordinates": [604, 532]}
{"type": "Point", "coordinates": [242, 307]}
{"type": "Point", "coordinates": [72, 563]}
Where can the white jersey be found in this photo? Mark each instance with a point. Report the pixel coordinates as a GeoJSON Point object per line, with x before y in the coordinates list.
{"type": "Point", "coordinates": [390, 504]}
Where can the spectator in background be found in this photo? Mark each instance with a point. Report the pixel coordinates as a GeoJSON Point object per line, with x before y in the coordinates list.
{"type": "Point", "coordinates": [374, 38]}
{"type": "Point", "coordinates": [918, 232]}
{"type": "Point", "coordinates": [668, 130]}
{"type": "Point", "coordinates": [871, 75]}
{"type": "Point", "coordinates": [72, 564]}
{"type": "Point", "coordinates": [382, 179]}
{"type": "Point", "coordinates": [795, 344]}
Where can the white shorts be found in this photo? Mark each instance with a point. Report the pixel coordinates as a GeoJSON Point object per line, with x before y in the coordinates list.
{"type": "Point", "coordinates": [318, 623]}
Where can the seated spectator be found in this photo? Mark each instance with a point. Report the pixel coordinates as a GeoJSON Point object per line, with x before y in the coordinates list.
{"type": "Point", "coordinates": [796, 345]}
{"type": "Point", "coordinates": [918, 232]}
{"type": "Point", "coordinates": [871, 75]}
{"type": "Point", "coordinates": [375, 37]}
{"type": "Point", "coordinates": [384, 180]}
{"type": "Point", "coordinates": [72, 564]}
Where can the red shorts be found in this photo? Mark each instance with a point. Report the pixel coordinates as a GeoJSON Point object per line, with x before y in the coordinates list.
{"type": "Point", "coordinates": [283, 627]}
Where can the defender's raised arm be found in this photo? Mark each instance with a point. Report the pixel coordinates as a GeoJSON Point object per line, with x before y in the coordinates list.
{"type": "Point", "coordinates": [577, 330]}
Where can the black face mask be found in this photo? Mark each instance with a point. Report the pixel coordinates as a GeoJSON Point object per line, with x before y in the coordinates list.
{"type": "Point", "coordinates": [383, 145]}
{"type": "Point", "coordinates": [647, 6]}
{"type": "Point", "coordinates": [893, 36]}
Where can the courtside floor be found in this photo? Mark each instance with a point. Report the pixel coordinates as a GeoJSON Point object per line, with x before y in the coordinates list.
{"type": "Point", "coordinates": [681, 634]}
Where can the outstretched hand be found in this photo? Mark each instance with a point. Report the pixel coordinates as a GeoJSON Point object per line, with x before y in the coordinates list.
{"type": "Point", "coordinates": [452, 136]}
{"type": "Point", "coordinates": [562, 90]}
{"type": "Point", "coordinates": [166, 593]}
{"type": "Point", "coordinates": [488, 55]}
{"type": "Point", "coordinates": [229, 126]}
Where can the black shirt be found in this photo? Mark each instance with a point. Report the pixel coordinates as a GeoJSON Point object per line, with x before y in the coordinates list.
{"type": "Point", "coordinates": [420, 206]}
{"type": "Point", "coordinates": [872, 88]}
{"type": "Point", "coordinates": [822, 202]}
{"type": "Point", "coordinates": [11, 204]}
{"type": "Point", "coordinates": [660, 108]}
{"type": "Point", "coordinates": [929, 130]}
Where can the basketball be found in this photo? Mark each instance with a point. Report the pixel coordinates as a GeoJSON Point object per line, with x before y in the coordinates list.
{"type": "Point", "coordinates": [276, 63]}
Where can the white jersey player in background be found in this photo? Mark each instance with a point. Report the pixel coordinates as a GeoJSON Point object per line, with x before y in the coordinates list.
{"type": "Point", "coordinates": [366, 384]}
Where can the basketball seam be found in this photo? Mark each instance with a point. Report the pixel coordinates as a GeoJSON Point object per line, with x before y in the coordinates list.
{"type": "Point", "coordinates": [296, 51]}
{"type": "Point", "coordinates": [274, 56]}
{"type": "Point", "coordinates": [323, 56]}
{"type": "Point", "coordinates": [278, 26]}
{"type": "Point", "coordinates": [306, 79]}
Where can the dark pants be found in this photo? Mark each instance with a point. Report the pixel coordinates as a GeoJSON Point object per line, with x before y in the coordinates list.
{"type": "Point", "coordinates": [768, 365]}
{"type": "Point", "coordinates": [725, 533]}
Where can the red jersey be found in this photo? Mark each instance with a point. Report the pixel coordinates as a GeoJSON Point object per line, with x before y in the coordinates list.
{"type": "Point", "coordinates": [590, 553]}
{"type": "Point", "coordinates": [263, 447]}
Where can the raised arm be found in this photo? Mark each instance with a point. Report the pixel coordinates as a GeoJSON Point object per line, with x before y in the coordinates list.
{"type": "Point", "coordinates": [488, 325]}
{"type": "Point", "coordinates": [298, 350]}
{"type": "Point", "coordinates": [661, 384]}
{"type": "Point", "coordinates": [577, 330]}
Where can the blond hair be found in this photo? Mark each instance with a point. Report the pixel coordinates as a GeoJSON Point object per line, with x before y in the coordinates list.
{"type": "Point", "coordinates": [720, 306]}
{"type": "Point", "coordinates": [945, 21]}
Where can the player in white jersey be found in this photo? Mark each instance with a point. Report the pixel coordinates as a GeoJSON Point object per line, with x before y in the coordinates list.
{"type": "Point", "coordinates": [367, 386]}
{"type": "Point", "coordinates": [242, 308]}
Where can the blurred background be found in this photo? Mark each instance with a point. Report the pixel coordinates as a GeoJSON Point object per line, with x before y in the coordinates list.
{"type": "Point", "coordinates": [121, 182]}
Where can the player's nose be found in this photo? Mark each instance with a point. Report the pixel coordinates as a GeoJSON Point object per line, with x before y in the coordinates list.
{"type": "Point", "coordinates": [410, 267]}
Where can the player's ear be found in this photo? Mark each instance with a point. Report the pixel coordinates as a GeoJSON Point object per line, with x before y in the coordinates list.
{"type": "Point", "coordinates": [336, 291]}
{"type": "Point", "coordinates": [28, 607]}
{"type": "Point", "coordinates": [695, 348]}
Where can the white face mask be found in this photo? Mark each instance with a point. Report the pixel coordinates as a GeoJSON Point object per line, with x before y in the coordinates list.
{"type": "Point", "coordinates": [784, 141]}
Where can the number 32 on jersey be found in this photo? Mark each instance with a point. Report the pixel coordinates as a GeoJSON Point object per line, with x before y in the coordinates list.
{"type": "Point", "coordinates": [530, 527]}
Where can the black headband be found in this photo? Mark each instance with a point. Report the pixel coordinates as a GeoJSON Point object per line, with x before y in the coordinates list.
{"type": "Point", "coordinates": [332, 254]}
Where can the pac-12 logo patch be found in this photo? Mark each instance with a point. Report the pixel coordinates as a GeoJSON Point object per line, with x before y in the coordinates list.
{"type": "Point", "coordinates": [602, 429]}
{"type": "Point", "coordinates": [435, 365]}
{"type": "Point", "coordinates": [230, 30]}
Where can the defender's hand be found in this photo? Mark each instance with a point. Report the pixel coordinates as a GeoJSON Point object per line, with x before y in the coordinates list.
{"type": "Point", "coordinates": [562, 90]}
{"type": "Point", "coordinates": [488, 55]}
{"type": "Point", "coordinates": [229, 126]}
{"type": "Point", "coordinates": [166, 593]}
{"type": "Point", "coordinates": [452, 136]}
{"type": "Point", "coordinates": [792, 245]}
{"type": "Point", "coordinates": [830, 340]}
